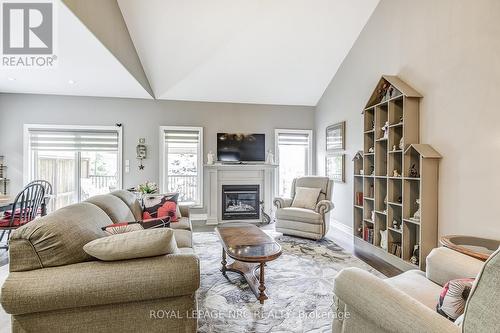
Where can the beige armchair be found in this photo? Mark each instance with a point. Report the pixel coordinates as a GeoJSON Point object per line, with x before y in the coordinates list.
{"type": "Point", "coordinates": [305, 222]}
{"type": "Point", "coordinates": [407, 303]}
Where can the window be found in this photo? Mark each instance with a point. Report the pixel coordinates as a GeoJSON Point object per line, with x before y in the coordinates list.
{"type": "Point", "coordinates": [294, 155]}
{"type": "Point", "coordinates": [181, 162]}
{"type": "Point", "coordinates": [78, 161]}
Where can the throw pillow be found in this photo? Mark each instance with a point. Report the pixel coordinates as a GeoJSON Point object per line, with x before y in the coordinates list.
{"type": "Point", "coordinates": [453, 297]}
{"type": "Point", "coordinates": [160, 206]}
{"type": "Point", "coordinates": [306, 197]}
{"type": "Point", "coordinates": [121, 228]}
{"type": "Point", "coordinates": [132, 245]}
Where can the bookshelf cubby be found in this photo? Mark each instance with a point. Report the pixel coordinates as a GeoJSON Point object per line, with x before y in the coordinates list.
{"type": "Point", "coordinates": [392, 173]}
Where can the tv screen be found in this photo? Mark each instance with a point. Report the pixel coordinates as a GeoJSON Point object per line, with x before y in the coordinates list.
{"type": "Point", "coordinates": [237, 147]}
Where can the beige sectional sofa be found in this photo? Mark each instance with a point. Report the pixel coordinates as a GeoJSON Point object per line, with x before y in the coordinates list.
{"type": "Point", "coordinates": [54, 285]}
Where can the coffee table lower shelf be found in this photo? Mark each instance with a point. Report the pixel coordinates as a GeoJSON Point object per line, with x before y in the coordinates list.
{"type": "Point", "coordinates": [248, 271]}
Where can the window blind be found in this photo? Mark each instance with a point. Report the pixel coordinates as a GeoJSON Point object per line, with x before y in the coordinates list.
{"type": "Point", "coordinates": [182, 136]}
{"type": "Point", "coordinates": [293, 139]}
{"type": "Point", "coordinates": [73, 140]}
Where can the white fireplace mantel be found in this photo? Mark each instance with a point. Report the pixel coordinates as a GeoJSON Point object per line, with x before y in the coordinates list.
{"type": "Point", "coordinates": [237, 174]}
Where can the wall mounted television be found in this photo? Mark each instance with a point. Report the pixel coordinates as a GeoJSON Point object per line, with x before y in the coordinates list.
{"type": "Point", "coordinates": [238, 147]}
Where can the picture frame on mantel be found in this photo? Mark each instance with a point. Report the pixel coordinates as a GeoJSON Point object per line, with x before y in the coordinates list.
{"type": "Point", "coordinates": [335, 167]}
{"type": "Point", "coordinates": [335, 137]}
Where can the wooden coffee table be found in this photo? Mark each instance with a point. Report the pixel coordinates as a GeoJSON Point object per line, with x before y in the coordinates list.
{"type": "Point", "coordinates": [250, 248]}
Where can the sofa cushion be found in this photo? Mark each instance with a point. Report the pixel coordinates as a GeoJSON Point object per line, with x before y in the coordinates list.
{"type": "Point", "coordinates": [183, 223]}
{"type": "Point", "coordinates": [132, 245]}
{"type": "Point", "coordinates": [306, 197]}
{"type": "Point", "coordinates": [452, 299]}
{"type": "Point", "coordinates": [130, 199]}
{"type": "Point", "coordinates": [116, 209]}
{"type": "Point", "coordinates": [58, 238]}
{"type": "Point", "coordinates": [160, 205]}
{"type": "Point", "coordinates": [299, 214]}
{"type": "Point", "coordinates": [415, 284]}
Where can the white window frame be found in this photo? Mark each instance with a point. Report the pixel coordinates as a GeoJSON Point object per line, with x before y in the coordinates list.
{"type": "Point", "coordinates": [27, 160]}
{"type": "Point", "coordinates": [279, 131]}
{"type": "Point", "coordinates": [163, 160]}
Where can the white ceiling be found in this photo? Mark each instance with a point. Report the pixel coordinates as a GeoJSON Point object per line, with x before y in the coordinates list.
{"type": "Point", "coordinates": [260, 51]}
{"type": "Point", "coordinates": [82, 59]}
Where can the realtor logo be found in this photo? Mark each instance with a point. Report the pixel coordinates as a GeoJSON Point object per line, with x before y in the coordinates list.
{"type": "Point", "coordinates": [28, 29]}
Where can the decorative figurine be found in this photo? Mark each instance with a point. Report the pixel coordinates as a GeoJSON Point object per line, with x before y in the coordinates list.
{"type": "Point", "coordinates": [401, 144]}
{"type": "Point", "coordinates": [383, 239]}
{"type": "Point", "coordinates": [416, 216]}
{"type": "Point", "coordinates": [270, 157]}
{"type": "Point", "coordinates": [361, 172]}
{"type": "Point", "coordinates": [415, 257]}
{"type": "Point", "coordinates": [371, 150]}
{"type": "Point", "coordinates": [373, 171]}
{"type": "Point", "coordinates": [395, 224]}
{"type": "Point", "coordinates": [413, 172]}
{"type": "Point", "coordinates": [390, 92]}
{"type": "Point", "coordinates": [394, 148]}
{"type": "Point", "coordinates": [266, 219]}
{"type": "Point", "coordinates": [385, 129]}
{"type": "Point", "coordinates": [395, 173]}
{"type": "Point", "coordinates": [210, 158]}
{"type": "Point", "coordinates": [400, 199]}
{"type": "Point", "coordinates": [382, 92]}
{"type": "Point", "coordinates": [373, 215]}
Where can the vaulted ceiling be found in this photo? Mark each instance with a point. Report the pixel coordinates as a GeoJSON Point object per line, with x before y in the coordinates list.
{"type": "Point", "coordinates": [261, 51]}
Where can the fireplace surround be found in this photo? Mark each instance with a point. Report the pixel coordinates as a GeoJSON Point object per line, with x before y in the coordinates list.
{"type": "Point", "coordinates": [220, 175]}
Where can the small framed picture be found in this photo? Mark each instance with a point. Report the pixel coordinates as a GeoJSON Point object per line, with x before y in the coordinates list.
{"type": "Point", "coordinates": [335, 167]}
{"type": "Point", "coordinates": [335, 137]}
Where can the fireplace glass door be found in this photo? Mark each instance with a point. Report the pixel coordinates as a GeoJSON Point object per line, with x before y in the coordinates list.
{"type": "Point", "coordinates": [240, 202]}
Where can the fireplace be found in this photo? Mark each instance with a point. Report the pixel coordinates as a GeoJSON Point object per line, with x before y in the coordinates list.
{"type": "Point", "coordinates": [240, 202]}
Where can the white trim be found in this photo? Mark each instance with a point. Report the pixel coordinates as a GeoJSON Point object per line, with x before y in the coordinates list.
{"type": "Point", "coordinates": [163, 157]}
{"type": "Point", "coordinates": [341, 227]}
{"type": "Point", "coordinates": [26, 145]}
{"type": "Point", "coordinates": [278, 131]}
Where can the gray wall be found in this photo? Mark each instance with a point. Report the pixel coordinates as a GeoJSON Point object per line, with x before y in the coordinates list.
{"type": "Point", "coordinates": [140, 118]}
{"type": "Point", "coordinates": [449, 51]}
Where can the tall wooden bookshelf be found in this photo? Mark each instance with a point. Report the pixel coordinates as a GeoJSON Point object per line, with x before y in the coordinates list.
{"type": "Point", "coordinates": [390, 174]}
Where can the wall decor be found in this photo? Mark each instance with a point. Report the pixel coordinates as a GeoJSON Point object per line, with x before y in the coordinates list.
{"type": "Point", "coordinates": [141, 150]}
{"type": "Point", "coordinates": [335, 167]}
{"type": "Point", "coordinates": [335, 137]}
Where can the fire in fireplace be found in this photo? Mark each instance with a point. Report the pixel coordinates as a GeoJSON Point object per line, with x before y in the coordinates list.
{"type": "Point", "coordinates": [240, 202]}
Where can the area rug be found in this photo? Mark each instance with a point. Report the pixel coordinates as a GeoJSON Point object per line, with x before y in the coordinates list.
{"type": "Point", "coordinates": [299, 285]}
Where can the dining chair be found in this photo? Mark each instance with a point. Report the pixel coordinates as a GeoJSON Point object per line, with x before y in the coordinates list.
{"type": "Point", "coordinates": [48, 193]}
{"type": "Point", "coordinates": [24, 209]}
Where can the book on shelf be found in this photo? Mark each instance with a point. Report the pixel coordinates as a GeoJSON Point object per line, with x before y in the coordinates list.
{"type": "Point", "coordinates": [368, 235]}
{"type": "Point", "coordinates": [359, 198]}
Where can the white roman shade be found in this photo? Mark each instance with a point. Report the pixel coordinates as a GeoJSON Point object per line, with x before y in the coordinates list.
{"type": "Point", "coordinates": [182, 136]}
{"type": "Point", "coordinates": [73, 140]}
{"type": "Point", "coordinates": [293, 139]}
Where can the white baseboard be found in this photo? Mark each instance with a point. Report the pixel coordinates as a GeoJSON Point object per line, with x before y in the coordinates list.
{"type": "Point", "coordinates": [341, 227]}
{"type": "Point", "coordinates": [198, 217]}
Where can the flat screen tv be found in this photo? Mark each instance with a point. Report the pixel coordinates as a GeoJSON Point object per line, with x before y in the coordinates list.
{"type": "Point", "coordinates": [237, 147]}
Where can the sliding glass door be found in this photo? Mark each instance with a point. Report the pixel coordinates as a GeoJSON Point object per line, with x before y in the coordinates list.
{"type": "Point", "coordinates": [78, 162]}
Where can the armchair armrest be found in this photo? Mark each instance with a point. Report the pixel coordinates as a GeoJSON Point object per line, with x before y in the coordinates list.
{"type": "Point", "coordinates": [324, 206]}
{"type": "Point", "coordinates": [98, 282]}
{"type": "Point", "coordinates": [384, 306]}
{"type": "Point", "coordinates": [282, 202]}
{"type": "Point", "coordinates": [444, 264]}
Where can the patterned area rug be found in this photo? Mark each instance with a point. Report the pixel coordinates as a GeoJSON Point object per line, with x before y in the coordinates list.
{"type": "Point", "coordinates": [299, 285]}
